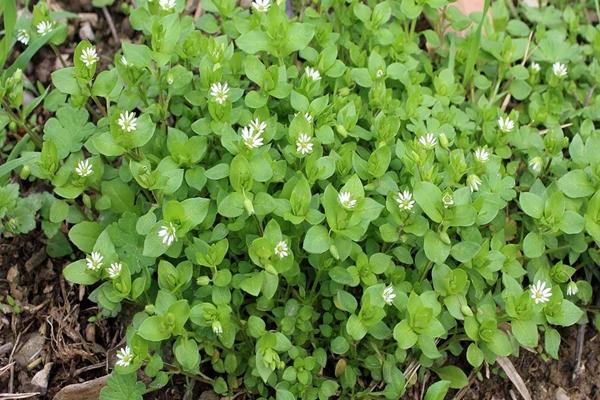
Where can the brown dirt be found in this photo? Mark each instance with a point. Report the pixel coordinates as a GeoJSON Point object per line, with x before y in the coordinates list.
{"type": "Point", "coordinates": [45, 320]}
{"type": "Point", "coordinates": [546, 377]}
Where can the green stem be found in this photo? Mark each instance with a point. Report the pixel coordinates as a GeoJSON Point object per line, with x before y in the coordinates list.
{"type": "Point", "coordinates": [57, 54]}
{"type": "Point", "coordinates": [37, 139]}
{"type": "Point", "coordinates": [99, 105]}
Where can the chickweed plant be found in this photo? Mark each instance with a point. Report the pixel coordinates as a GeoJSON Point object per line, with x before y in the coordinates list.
{"type": "Point", "coordinates": [332, 204]}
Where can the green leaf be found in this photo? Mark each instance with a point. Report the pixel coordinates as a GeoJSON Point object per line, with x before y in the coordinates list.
{"type": "Point", "coordinates": [68, 130]}
{"type": "Point", "coordinates": [232, 206]}
{"type": "Point", "coordinates": [525, 331]}
{"type": "Point", "coordinates": [435, 249]}
{"type": "Point", "coordinates": [253, 284]}
{"type": "Point", "coordinates": [404, 335]}
{"type": "Point", "coordinates": [123, 387]}
{"type": "Point", "coordinates": [84, 235]}
{"type": "Point", "coordinates": [78, 272]}
{"type": "Point", "coordinates": [429, 197]}
{"type": "Point", "coordinates": [575, 184]}
{"type": "Point", "coordinates": [474, 355]}
{"type": "Point", "coordinates": [355, 328]}
{"type": "Point", "coordinates": [317, 240]}
{"type": "Point", "coordinates": [120, 194]}
{"type": "Point", "coordinates": [465, 251]}
{"type": "Point", "coordinates": [437, 391]}
{"type": "Point", "coordinates": [187, 354]}
{"type": "Point", "coordinates": [552, 342]}
{"type": "Point", "coordinates": [154, 329]}
{"type": "Point", "coordinates": [568, 314]}
{"type": "Point", "coordinates": [533, 245]}
{"type": "Point", "coordinates": [253, 41]}
{"type": "Point", "coordinates": [454, 375]}
{"type": "Point", "coordinates": [532, 204]}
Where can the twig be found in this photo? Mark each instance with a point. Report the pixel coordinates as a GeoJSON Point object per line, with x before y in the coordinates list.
{"type": "Point", "coordinates": [510, 370]}
{"type": "Point", "coordinates": [580, 339]}
{"type": "Point", "coordinates": [525, 58]}
{"type": "Point", "coordinates": [6, 368]}
{"type": "Point", "coordinates": [588, 96]}
{"type": "Point", "coordinates": [111, 25]}
{"type": "Point", "coordinates": [7, 396]}
{"type": "Point", "coordinates": [544, 131]}
{"type": "Point", "coordinates": [58, 55]}
{"type": "Point", "coordinates": [198, 11]}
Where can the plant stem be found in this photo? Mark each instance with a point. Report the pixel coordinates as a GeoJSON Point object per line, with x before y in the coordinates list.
{"type": "Point", "coordinates": [57, 54]}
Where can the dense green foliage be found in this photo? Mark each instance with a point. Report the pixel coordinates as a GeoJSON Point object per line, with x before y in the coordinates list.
{"type": "Point", "coordinates": [303, 207]}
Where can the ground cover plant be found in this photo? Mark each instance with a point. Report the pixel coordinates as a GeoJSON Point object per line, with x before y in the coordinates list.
{"type": "Point", "coordinates": [329, 205]}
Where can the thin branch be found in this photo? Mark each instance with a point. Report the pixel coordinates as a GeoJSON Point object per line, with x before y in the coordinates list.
{"type": "Point", "coordinates": [111, 25]}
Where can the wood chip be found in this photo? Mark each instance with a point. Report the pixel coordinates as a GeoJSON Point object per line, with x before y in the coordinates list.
{"type": "Point", "coordinates": [561, 394]}
{"type": "Point", "coordinates": [87, 390]}
{"type": "Point", "coordinates": [40, 379]}
{"type": "Point", "coordinates": [514, 376]}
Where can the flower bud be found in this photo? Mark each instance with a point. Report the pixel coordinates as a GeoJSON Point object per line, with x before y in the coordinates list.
{"type": "Point", "coordinates": [203, 280]}
{"type": "Point", "coordinates": [149, 309]}
{"type": "Point", "coordinates": [334, 252]}
{"type": "Point", "coordinates": [443, 140]}
{"type": "Point", "coordinates": [25, 172]}
{"type": "Point", "coordinates": [248, 206]}
{"type": "Point", "coordinates": [445, 238]}
{"type": "Point", "coordinates": [572, 289]}
{"type": "Point", "coordinates": [466, 310]}
{"type": "Point", "coordinates": [87, 201]}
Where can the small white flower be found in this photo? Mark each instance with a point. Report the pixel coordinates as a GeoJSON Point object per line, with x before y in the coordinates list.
{"type": "Point", "coordinates": [428, 141]}
{"type": "Point", "coordinates": [536, 164]}
{"type": "Point", "coordinates": [167, 4]}
{"type": "Point", "coordinates": [217, 328]}
{"type": "Point", "coordinates": [447, 200]}
{"type": "Point", "coordinates": [380, 73]}
{"type": "Point", "coordinates": [251, 139]}
{"type": "Point", "coordinates": [572, 289]}
{"type": "Point", "coordinates": [44, 27]}
{"type": "Point", "coordinates": [281, 249]}
{"type": "Point", "coordinates": [304, 144]}
{"type": "Point", "coordinates": [127, 121]}
{"type": "Point", "coordinates": [258, 126]}
{"type": "Point", "coordinates": [405, 200]}
{"type": "Point", "coordinates": [23, 36]}
{"type": "Point", "coordinates": [481, 154]}
{"type": "Point", "coordinates": [168, 233]}
{"type": "Point", "coordinates": [473, 181]}
{"type": "Point", "coordinates": [94, 261]}
{"type": "Point", "coordinates": [505, 124]}
{"type": "Point", "coordinates": [535, 66]}
{"type": "Point", "coordinates": [346, 200]}
{"type": "Point", "coordinates": [313, 74]}
{"type": "Point", "coordinates": [559, 69]}
{"type": "Point", "coordinates": [540, 293]}
{"type": "Point", "coordinates": [261, 5]}
{"type": "Point", "coordinates": [124, 357]}
{"type": "Point", "coordinates": [308, 117]}
{"type": "Point", "coordinates": [84, 168]}
{"type": "Point", "coordinates": [219, 91]}
{"type": "Point", "coordinates": [124, 61]}
{"type": "Point", "coordinates": [115, 270]}
{"type": "Point", "coordinates": [89, 56]}
{"type": "Point", "coordinates": [389, 295]}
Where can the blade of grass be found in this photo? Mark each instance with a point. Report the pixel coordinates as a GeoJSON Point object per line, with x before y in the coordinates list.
{"type": "Point", "coordinates": [22, 61]}
{"type": "Point", "coordinates": [9, 9]}
{"type": "Point", "coordinates": [7, 167]}
{"type": "Point", "coordinates": [474, 41]}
